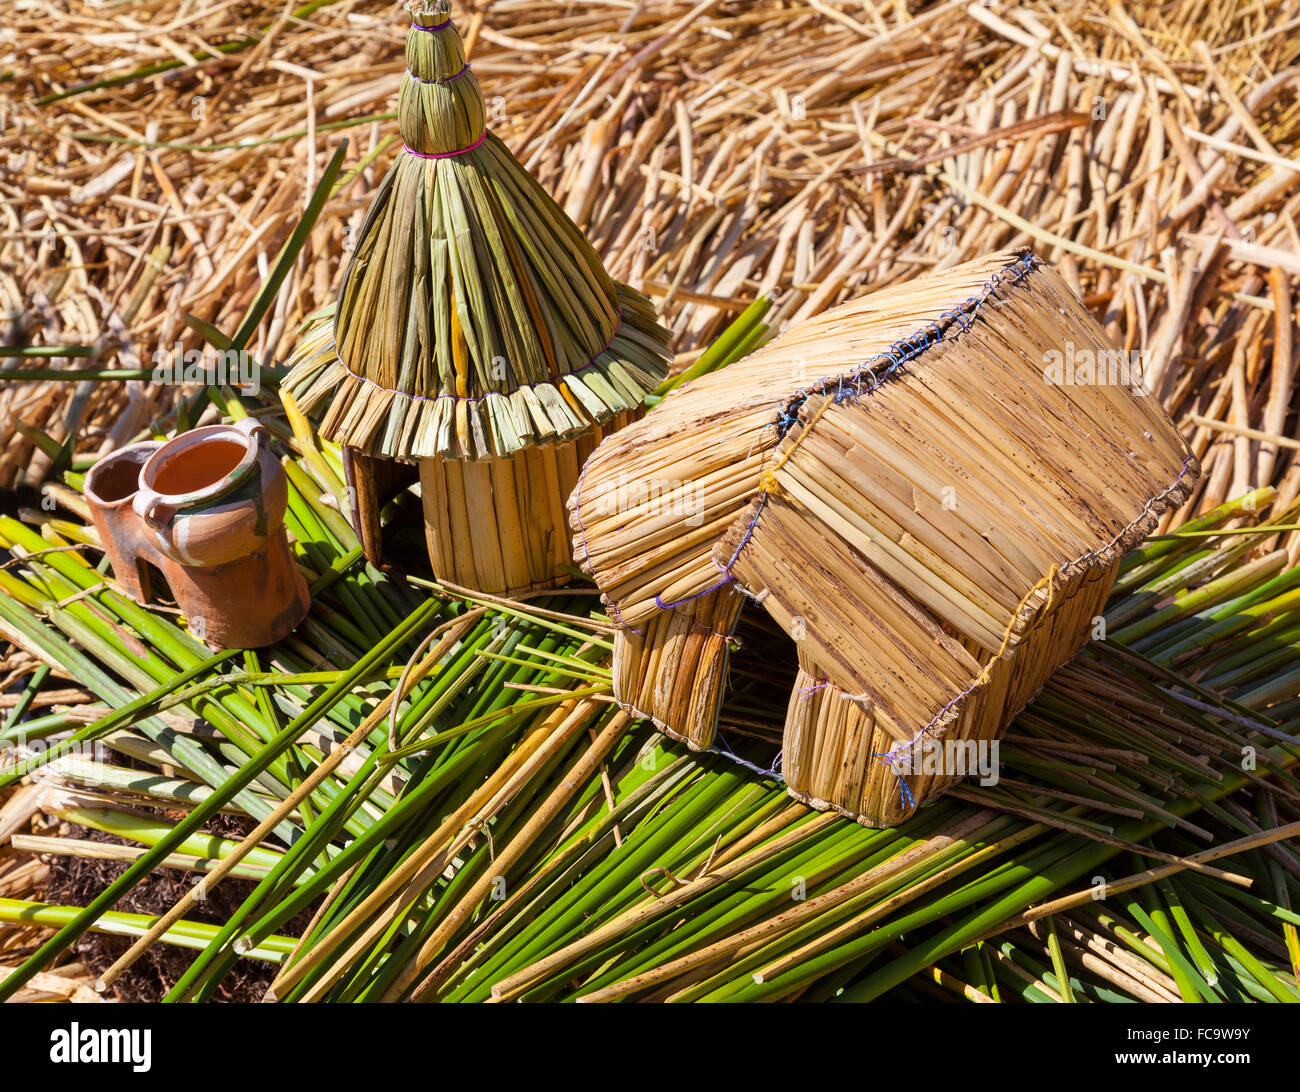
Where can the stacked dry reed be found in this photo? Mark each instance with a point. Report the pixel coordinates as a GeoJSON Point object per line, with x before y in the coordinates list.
{"type": "Point", "coordinates": [673, 671]}
{"type": "Point", "coordinates": [518, 541]}
{"type": "Point", "coordinates": [936, 520]}
{"type": "Point", "coordinates": [476, 334]}
{"type": "Point", "coordinates": [152, 171]}
{"type": "Point", "coordinates": [844, 753]}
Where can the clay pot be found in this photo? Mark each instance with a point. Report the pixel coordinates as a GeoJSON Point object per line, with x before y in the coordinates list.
{"type": "Point", "coordinates": [206, 508]}
{"type": "Point", "coordinates": [213, 495]}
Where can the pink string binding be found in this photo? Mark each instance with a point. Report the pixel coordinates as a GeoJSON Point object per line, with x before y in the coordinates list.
{"type": "Point", "coordinates": [445, 155]}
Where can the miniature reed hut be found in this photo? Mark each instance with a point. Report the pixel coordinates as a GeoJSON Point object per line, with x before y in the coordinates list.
{"type": "Point", "coordinates": [919, 496]}
{"type": "Point", "coordinates": [476, 335]}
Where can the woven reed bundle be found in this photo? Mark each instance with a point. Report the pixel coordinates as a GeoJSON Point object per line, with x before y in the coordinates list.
{"type": "Point", "coordinates": [936, 520]}
{"type": "Point", "coordinates": [474, 317]}
{"type": "Point", "coordinates": [673, 672]}
{"type": "Point", "coordinates": [517, 541]}
{"type": "Point", "coordinates": [474, 322]}
{"type": "Point", "coordinates": [843, 753]}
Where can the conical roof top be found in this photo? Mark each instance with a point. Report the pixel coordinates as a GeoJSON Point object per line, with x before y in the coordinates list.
{"type": "Point", "coordinates": [474, 318]}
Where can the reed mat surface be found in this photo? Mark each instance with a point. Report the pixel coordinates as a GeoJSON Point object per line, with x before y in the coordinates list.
{"type": "Point", "coordinates": [442, 803]}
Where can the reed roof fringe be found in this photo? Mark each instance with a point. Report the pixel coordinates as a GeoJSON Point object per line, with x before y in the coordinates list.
{"type": "Point", "coordinates": [474, 318]}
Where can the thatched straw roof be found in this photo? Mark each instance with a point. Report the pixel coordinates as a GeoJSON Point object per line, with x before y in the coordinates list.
{"type": "Point", "coordinates": [475, 318]}
{"type": "Point", "coordinates": [655, 501]}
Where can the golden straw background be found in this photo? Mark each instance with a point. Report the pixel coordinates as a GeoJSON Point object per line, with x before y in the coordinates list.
{"type": "Point", "coordinates": [712, 151]}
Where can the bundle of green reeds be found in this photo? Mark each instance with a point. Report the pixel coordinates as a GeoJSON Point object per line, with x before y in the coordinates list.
{"type": "Point", "coordinates": [284, 738]}
{"type": "Point", "coordinates": [475, 323]}
{"type": "Point", "coordinates": [411, 798]}
{"type": "Point", "coordinates": [936, 518]}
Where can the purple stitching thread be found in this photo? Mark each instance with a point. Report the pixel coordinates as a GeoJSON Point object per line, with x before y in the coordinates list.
{"type": "Point", "coordinates": [435, 26]}
{"type": "Point", "coordinates": [905, 797]}
{"type": "Point", "coordinates": [727, 579]}
{"type": "Point", "coordinates": [449, 79]}
{"type": "Point", "coordinates": [728, 576]}
{"type": "Point", "coordinates": [891, 754]}
{"type": "Point", "coordinates": [446, 155]}
{"type": "Point", "coordinates": [905, 349]}
{"type": "Point", "coordinates": [731, 756]}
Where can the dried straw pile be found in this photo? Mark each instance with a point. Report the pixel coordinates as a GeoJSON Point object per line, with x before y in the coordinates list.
{"type": "Point", "coordinates": [711, 151]}
{"type": "Point", "coordinates": [935, 516]}
{"type": "Point", "coordinates": [23, 876]}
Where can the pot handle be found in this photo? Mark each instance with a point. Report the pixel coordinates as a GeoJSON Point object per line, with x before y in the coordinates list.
{"type": "Point", "coordinates": [151, 508]}
{"type": "Point", "coordinates": [251, 427]}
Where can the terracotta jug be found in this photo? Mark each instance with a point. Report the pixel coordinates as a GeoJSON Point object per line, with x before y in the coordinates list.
{"type": "Point", "coordinates": [206, 508]}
